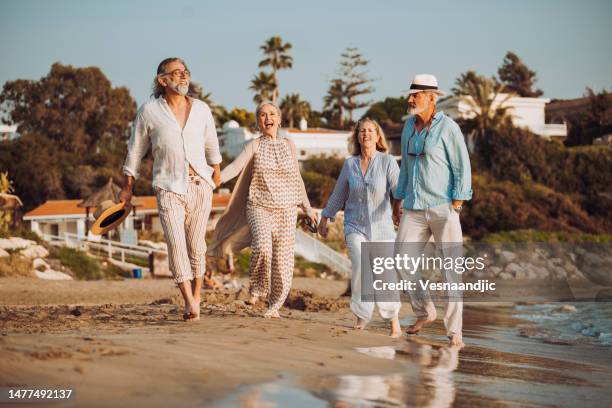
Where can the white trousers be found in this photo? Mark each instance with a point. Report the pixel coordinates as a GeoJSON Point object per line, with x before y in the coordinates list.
{"type": "Point", "coordinates": [361, 309]}
{"type": "Point", "coordinates": [417, 227]}
{"type": "Point", "coordinates": [184, 218]}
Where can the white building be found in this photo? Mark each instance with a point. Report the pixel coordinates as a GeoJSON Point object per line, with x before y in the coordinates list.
{"type": "Point", "coordinates": [525, 112]}
{"type": "Point", "coordinates": [57, 217]}
{"type": "Point", "coordinates": [7, 132]}
{"type": "Point", "coordinates": [309, 142]}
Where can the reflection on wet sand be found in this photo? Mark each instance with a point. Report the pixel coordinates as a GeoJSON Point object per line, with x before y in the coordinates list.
{"type": "Point", "coordinates": [428, 383]}
{"type": "Point", "coordinates": [433, 368]}
{"type": "Point", "coordinates": [436, 376]}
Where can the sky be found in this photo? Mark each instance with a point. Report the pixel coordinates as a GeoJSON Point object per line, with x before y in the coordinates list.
{"type": "Point", "coordinates": [568, 43]}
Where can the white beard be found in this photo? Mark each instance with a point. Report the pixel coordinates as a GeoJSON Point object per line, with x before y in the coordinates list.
{"type": "Point", "coordinates": [180, 89]}
{"type": "Point", "coordinates": [415, 110]}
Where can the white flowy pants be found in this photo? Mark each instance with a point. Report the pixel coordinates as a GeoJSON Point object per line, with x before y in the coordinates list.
{"type": "Point", "coordinates": [416, 228]}
{"type": "Point", "coordinates": [362, 309]}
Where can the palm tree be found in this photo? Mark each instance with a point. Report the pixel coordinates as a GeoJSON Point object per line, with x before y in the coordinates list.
{"type": "Point", "coordinates": [486, 99]}
{"type": "Point", "coordinates": [264, 85]}
{"type": "Point", "coordinates": [294, 109]}
{"type": "Point", "coordinates": [277, 58]}
{"type": "Point", "coordinates": [335, 101]}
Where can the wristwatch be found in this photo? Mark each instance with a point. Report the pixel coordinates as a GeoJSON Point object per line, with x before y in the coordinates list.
{"type": "Point", "coordinates": [458, 209]}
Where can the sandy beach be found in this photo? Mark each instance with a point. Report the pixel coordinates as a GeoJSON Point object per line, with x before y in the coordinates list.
{"type": "Point", "coordinates": [123, 343]}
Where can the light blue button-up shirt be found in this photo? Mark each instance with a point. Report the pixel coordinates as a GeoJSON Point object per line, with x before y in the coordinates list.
{"type": "Point", "coordinates": [443, 174]}
{"type": "Point", "coordinates": [366, 199]}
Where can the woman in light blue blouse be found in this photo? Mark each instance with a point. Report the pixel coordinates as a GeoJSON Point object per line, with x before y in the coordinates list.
{"type": "Point", "coordinates": [364, 191]}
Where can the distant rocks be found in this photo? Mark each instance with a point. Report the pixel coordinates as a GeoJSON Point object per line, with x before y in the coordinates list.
{"type": "Point", "coordinates": [43, 270]}
{"type": "Point", "coordinates": [555, 261]}
{"type": "Point", "coordinates": [30, 250]}
{"type": "Point", "coordinates": [507, 257]}
{"type": "Point", "coordinates": [15, 243]}
{"type": "Point", "coordinates": [35, 251]}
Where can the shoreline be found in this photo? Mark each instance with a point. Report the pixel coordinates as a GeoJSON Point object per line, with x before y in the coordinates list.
{"type": "Point", "coordinates": [113, 352]}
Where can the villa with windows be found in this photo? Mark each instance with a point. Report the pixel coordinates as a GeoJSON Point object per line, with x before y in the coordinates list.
{"type": "Point", "coordinates": [525, 112]}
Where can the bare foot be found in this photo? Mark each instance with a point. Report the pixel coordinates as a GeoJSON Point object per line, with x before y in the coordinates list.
{"type": "Point", "coordinates": [456, 340]}
{"type": "Point", "coordinates": [271, 314]}
{"type": "Point", "coordinates": [418, 325]}
{"type": "Point", "coordinates": [360, 325]}
{"type": "Point", "coordinates": [192, 312]}
{"type": "Point", "coordinates": [252, 300]}
{"type": "Point", "coordinates": [396, 330]}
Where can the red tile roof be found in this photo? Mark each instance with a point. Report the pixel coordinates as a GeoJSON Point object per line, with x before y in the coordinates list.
{"type": "Point", "coordinates": [57, 207]}
{"type": "Point", "coordinates": [316, 130]}
{"type": "Point", "coordinates": [69, 207]}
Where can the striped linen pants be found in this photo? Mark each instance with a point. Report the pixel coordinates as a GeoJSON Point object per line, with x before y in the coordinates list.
{"type": "Point", "coordinates": [184, 218]}
{"type": "Point", "coordinates": [273, 252]}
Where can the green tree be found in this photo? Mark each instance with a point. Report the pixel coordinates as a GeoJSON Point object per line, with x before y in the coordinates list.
{"type": "Point", "coordinates": [344, 92]}
{"type": "Point", "coordinates": [264, 86]}
{"type": "Point", "coordinates": [600, 104]}
{"type": "Point", "coordinates": [77, 108]}
{"type": "Point", "coordinates": [356, 81]}
{"type": "Point", "coordinates": [465, 81]}
{"type": "Point", "coordinates": [294, 109]}
{"type": "Point", "coordinates": [486, 99]}
{"type": "Point", "coordinates": [517, 76]}
{"type": "Point", "coordinates": [73, 126]}
{"type": "Point", "coordinates": [277, 58]}
{"type": "Point", "coordinates": [316, 119]}
{"type": "Point", "coordinates": [244, 117]}
{"type": "Point", "coordinates": [334, 103]}
{"type": "Point", "coordinates": [388, 111]}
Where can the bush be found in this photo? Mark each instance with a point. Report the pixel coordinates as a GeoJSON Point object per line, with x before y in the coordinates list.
{"type": "Point", "coordinates": [84, 266]}
{"type": "Point", "coordinates": [530, 235]}
{"type": "Point", "coordinates": [517, 155]}
{"type": "Point", "coordinates": [329, 166]}
{"type": "Point", "coordinates": [505, 206]}
{"type": "Point", "coordinates": [319, 187]}
{"type": "Point", "coordinates": [21, 232]}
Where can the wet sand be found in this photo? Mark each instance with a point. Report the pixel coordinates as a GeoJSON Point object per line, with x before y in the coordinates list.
{"type": "Point", "coordinates": [122, 343]}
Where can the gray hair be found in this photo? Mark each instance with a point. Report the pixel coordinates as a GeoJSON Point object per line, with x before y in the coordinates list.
{"type": "Point", "coordinates": [158, 89]}
{"type": "Point", "coordinates": [260, 107]}
{"type": "Point", "coordinates": [436, 96]}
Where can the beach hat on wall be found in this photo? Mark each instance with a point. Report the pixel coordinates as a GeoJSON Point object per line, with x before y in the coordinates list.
{"type": "Point", "coordinates": [424, 82]}
{"type": "Point", "coordinates": [108, 216]}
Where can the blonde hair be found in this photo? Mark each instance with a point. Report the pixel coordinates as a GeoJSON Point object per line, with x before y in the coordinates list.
{"type": "Point", "coordinates": [355, 148]}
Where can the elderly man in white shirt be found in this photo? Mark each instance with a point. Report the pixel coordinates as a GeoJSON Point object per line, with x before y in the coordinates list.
{"type": "Point", "coordinates": [181, 131]}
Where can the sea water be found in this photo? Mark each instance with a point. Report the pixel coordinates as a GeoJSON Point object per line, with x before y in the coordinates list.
{"type": "Point", "coordinates": [588, 322]}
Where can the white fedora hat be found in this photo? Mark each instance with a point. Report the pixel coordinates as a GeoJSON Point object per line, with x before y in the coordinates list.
{"type": "Point", "coordinates": [424, 82]}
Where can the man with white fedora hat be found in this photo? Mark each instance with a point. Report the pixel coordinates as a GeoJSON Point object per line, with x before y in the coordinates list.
{"type": "Point", "coordinates": [186, 158]}
{"type": "Point", "coordinates": [435, 180]}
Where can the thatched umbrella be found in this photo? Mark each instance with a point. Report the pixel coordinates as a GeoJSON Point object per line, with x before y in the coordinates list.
{"type": "Point", "coordinates": [10, 202]}
{"type": "Point", "coordinates": [110, 191]}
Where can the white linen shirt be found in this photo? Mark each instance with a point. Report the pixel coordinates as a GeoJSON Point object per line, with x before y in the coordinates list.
{"type": "Point", "coordinates": [174, 149]}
